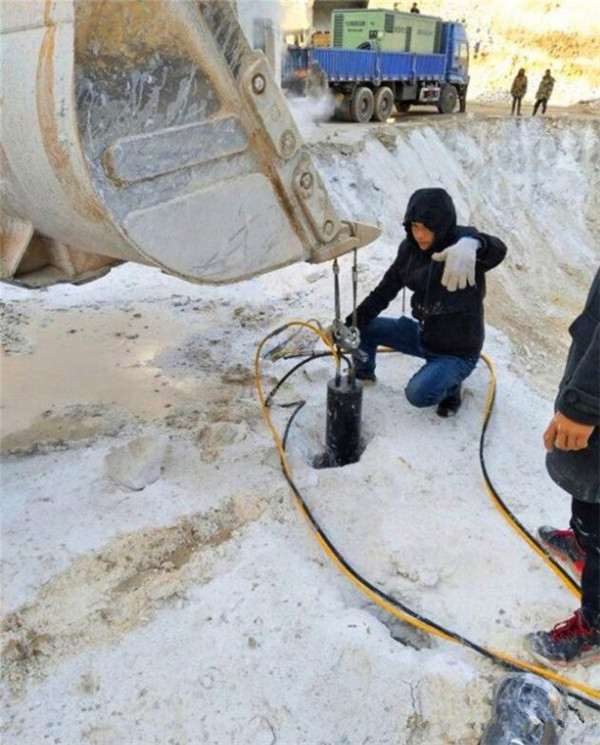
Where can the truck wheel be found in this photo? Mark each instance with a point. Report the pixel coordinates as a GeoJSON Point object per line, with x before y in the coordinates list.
{"type": "Point", "coordinates": [448, 99]}
{"type": "Point", "coordinates": [383, 104]}
{"type": "Point", "coordinates": [362, 104]}
{"type": "Point", "coordinates": [403, 106]}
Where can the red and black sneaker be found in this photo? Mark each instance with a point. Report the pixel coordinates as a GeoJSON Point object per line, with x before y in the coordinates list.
{"type": "Point", "coordinates": [562, 545]}
{"type": "Point", "coordinates": [568, 643]}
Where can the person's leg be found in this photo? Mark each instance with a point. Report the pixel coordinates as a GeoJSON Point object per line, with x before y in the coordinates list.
{"type": "Point", "coordinates": [585, 522]}
{"type": "Point", "coordinates": [439, 378]}
{"type": "Point", "coordinates": [544, 104]}
{"type": "Point", "coordinates": [401, 334]}
{"type": "Point", "coordinates": [519, 106]}
{"type": "Point", "coordinates": [537, 106]}
{"type": "Point", "coordinates": [578, 638]}
{"type": "Point", "coordinates": [514, 103]}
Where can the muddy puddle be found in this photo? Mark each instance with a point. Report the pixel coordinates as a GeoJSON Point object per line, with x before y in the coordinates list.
{"type": "Point", "coordinates": [83, 367]}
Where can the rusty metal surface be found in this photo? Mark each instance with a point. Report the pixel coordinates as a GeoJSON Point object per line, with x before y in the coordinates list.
{"type": "Point", "coordinates": [58, 154]}
{"type": "Point", "coordinates": [135, 110]}
{"type": "Point", "coordinates": [15, 236]}
{"type": "Point", "coordinates": [127, 97]}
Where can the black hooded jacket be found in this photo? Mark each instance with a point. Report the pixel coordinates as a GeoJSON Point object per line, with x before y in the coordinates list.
{"type": "Point", "coordinates": [578, 471]}
{"type": "Point", "coordinates": [451, 322]}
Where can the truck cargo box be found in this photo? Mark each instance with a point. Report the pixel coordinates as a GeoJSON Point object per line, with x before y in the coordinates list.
{"type": "Point", "coordinates": [342, 65]}
{"type": "Point", "coordinates": [347, 64]}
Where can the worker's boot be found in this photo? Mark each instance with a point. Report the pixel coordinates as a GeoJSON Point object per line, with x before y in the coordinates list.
{"type": "Point", "coordinates": [571, 642]}
{"type": "Point", "coordinates": [563, 545]}
{"type": "Point", "coordinates": [366, 378]}
{"type": "Point", "coordinates": [451, 404]}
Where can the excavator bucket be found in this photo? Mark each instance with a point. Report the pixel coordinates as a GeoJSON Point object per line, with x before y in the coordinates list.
{"type": "Point", "coordinates": [150, 131]}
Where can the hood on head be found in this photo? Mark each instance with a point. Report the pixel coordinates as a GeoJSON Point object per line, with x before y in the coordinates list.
{"type": "Point", "coordinates": [433, 208]}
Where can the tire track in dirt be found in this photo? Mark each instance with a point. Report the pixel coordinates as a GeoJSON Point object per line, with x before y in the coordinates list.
{"type": "Point", "coordinates": [101, 597]}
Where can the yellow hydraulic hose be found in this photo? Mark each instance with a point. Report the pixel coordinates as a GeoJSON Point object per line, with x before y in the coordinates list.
{"type": "Point", "coordinates": [365, 587]}
{"type": "Point", "coordinates": [506, 513]}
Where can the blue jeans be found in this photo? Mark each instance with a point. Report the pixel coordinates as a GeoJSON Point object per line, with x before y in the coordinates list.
{"type": "Point", "coordinates": [440, 376]}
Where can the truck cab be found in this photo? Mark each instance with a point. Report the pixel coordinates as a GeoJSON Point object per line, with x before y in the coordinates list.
{"type": "Point", "coordinates": [456, 48]}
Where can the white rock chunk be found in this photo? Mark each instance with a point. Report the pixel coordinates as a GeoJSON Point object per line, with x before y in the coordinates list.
{"type": "Point", "coordinates": [138, 463]}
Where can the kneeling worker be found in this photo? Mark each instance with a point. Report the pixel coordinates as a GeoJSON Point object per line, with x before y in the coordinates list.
{"type": "Point", "coordinates": [444, 264]}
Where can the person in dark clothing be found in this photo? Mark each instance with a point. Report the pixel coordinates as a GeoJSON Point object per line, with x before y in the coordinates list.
{"type": "Point", "coordinates": [517, 91]}
{"type": "Point", "coordinates": [572, 440]}
{"type": "Point", "coordinates": [544, 92]}
{"type": "Point", "coordinates": [414, 8]}
{"type": "Point", "coordinates": [444, 264]}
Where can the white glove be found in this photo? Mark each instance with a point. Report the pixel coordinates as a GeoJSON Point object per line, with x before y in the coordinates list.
{"type": "Point", "coordinates": [459, 269]}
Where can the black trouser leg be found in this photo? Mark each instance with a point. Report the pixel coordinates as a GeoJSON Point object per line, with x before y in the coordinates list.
{"type": "Point", "coordinates": [537, 106]}
{"type": "Point", "coordinates": [519, 106]}
{"type": "Point", "coordinates": [585, 522]}
{"type": "Point", "coordinates": [544, 104]}
{"type": "Point", "coordinates": [514, 103]}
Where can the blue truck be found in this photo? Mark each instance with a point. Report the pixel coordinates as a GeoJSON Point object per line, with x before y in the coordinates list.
{"type": "Point", "coordinates": [370, 80]}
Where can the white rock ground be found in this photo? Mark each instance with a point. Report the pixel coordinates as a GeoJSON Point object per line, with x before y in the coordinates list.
{"type": "Point", "coordinates": [200, 609]}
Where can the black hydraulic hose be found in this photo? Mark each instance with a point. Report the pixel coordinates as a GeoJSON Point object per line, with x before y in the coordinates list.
{"type": "Point", "coordinates": [292, 370]}
{"type": "Point", "coordinates": [464, 641]}
{"type": "Point", "coordinates": [506, 511]}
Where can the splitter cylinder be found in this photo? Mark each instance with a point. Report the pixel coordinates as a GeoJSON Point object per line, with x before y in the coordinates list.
{"type": "Point", "coordinates": [344, 411]}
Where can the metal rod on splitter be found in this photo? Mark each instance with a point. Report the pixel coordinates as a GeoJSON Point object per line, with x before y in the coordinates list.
{"type": "Point", "coordinates": [354, 287]}
{"type": "Point", "coordinates": [344, 402]}
{"type": "Point", "coordinates": [336, 294]}
{"type": "Point", "coordinates": [352, 373]}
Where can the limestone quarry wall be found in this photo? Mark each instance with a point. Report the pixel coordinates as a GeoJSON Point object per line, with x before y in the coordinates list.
{"type": "Point", "coordinates": [533, 182]}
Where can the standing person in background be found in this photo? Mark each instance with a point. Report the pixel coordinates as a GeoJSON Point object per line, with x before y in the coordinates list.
{"type": "Point", "coordinates": [572, 440]}
{"type": "Point", "coordinates": [414, 8]}
{"type": "Point", "coordinates": [518, 90]}
{"type": "Point", "coordinates": [544, 92]}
